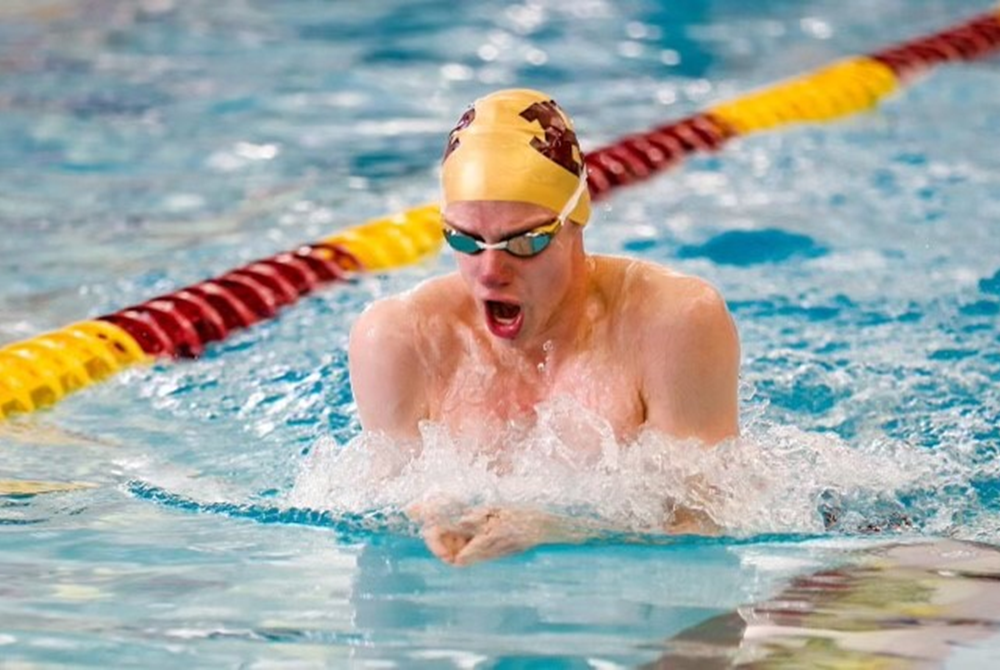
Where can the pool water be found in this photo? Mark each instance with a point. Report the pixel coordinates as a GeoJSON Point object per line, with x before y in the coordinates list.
{"type": "Point", "coordinates": [228, 514]}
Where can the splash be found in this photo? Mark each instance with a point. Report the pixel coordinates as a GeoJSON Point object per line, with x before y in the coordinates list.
{"type": "Point", "coordinates": [773, 479]}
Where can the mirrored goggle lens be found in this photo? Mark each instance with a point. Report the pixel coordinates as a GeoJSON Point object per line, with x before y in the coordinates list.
{"type": "Point", "coordinates": [528, 245]}
{"type": "Point", "coordinates": [461, 243]}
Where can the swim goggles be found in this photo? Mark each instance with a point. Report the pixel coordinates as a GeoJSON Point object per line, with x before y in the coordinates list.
{"type": "Point", "coordinates": [523, 245]}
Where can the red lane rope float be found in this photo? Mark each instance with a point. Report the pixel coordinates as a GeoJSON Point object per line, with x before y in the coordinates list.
{"type": "Point", "coordinates": [40, 371]}
{"type": "Point", "coordinates": [232, 310]}
{"type": "Point", "coordinates": [641, 156]}
{"type": "Point", "coordinates": [208, 322]}
{"type": "Point", "coordinates": [971, 40]}
{"type": "Point", "coordinates": [145, 331]}
{"type": "Point", "coordinates": [182, 323]}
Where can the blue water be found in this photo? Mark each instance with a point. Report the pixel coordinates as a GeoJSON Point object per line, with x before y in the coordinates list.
{"type": "Point", "coordinates": [148, 145]}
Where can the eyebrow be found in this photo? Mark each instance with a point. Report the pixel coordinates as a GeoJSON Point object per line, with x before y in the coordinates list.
{"type": "Point", "coordinates": [527, 229]}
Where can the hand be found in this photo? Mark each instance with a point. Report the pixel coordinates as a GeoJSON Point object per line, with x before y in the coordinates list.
{"type": "Point", "coordinates": [685, 521]}
{"type": "Point", "coordinates": [480, 533]}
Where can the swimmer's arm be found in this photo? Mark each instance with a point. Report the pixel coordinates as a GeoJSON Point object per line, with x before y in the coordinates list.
{"type": "Point", "coordinates": [386, 377]}
{"type": "Point", "coordinates": [693, 390]}
{"type": "Point", "coordinates": [691, 358]}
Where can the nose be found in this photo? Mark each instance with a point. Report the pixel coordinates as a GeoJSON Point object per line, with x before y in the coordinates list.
{"type": "Point", "coordinates": [495, 268]}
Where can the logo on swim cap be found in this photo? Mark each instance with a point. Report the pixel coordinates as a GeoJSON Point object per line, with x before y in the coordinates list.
{"type": "Point", "coordinates": [559, 145]}
{"type": "Point", "coordinates": [464, 122]}
{"type": "Point", "coordinates": [516, 145]}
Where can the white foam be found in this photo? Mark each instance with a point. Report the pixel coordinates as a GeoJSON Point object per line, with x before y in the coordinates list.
{"type": "Point", "coordinates": [773, 479]}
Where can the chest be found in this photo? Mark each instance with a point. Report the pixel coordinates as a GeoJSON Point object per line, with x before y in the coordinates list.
{"type": "Point", "coordinates": [483, 396]}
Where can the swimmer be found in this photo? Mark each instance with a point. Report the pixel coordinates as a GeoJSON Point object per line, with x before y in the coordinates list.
{"type": "Point", "coordinates": [530, 316]}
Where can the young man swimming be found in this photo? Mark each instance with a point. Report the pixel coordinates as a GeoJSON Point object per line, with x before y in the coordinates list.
{"type": "Point", "coordinates": [531, 316]}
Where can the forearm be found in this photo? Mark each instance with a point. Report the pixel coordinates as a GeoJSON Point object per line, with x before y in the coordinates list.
{"type": "Point", "coordinates": [491, 532]}
{"type": "Point", "coordinates": [463, 536]}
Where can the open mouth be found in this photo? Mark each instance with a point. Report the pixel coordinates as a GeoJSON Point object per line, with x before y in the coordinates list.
{"type": "Point", "coordinates": [504, 319]}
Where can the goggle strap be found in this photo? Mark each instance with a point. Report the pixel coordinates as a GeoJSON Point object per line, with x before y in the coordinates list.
{"type": "Point", "coordinates": [575, 198]}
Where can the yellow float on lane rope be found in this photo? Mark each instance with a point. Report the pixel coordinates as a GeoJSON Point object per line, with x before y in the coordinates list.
{"type": "Point", "coordinates": [846, 87]}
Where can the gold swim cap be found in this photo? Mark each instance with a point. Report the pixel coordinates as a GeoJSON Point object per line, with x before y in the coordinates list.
{"type": "Point", "coordinates": [517, 145]}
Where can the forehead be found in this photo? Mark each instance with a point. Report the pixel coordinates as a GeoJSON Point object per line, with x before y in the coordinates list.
{"type": "Point", "coordinates": [495, 217]}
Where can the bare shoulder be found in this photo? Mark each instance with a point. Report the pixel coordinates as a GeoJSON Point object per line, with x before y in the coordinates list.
{"type": "Point", "coordinates": [686, 346]}
{"type": "Point", "coordinates": [658, 296]}
{"type": "Point", "coordinates": [387, 325]}
{"type": "Point", "coordinates": [402, 322]}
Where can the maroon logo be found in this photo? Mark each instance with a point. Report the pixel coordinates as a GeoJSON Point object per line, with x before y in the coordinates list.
{"type": "Point", "coordinates": [464, 122]}
{"type": "Point", "coordinates": [560, 140]}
